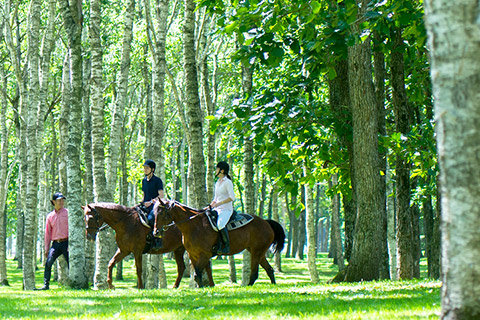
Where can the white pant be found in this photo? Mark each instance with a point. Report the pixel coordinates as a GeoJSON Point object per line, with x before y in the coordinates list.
{"type": "Point", "coordinates": [223, 217]}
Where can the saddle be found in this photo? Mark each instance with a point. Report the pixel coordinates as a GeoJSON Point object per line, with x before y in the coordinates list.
{"type": "Point", "coordinates": [237, 220]}
{"type": "Point", "coordinates": [142, 215]}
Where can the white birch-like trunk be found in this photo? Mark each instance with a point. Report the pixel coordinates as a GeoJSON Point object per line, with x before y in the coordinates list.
{"type": "Point", "coordinates": [193, 112]}
{"type": "Point", "coordinates": [391, 239]}
{"type": "Point", "coordinates": [72, 18]}
{"type": "Point", "coordinates": [105, 239]}
{"type": "Point", "coordinates": [31, 136]}
{"type": "Point", "coordinates": [3, 177]}
{"type": "Point", "coordinates": [453, 38]}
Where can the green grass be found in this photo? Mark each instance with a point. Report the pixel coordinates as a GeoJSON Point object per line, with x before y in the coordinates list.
{"type": "Point", "coordinates": [294, 297]}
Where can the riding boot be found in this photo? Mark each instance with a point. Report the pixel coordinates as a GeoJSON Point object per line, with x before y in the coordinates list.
{"type": "Point", "coordinates": [225, 248]}
{"type": "Point", "coordinates": [46, 285]}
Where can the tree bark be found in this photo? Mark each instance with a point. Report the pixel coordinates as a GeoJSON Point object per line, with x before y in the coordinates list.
{"type": "Point", "coordinates": [194, 116]}
{"type": "Point", "coordinates": [310, 224]}
{"type": "Point", "coordinates": [73, 23]}
{"type": "Point", "coordinates": [365, 262]}
{"type": "Point", "coordinates": [33, 107]}
{"type": "Point", "coordinates": [4, 179]}
{"type": "Point", "coordinates": [405, 223]}
{"type": "Point", "coordinates": [248, 170]}
{"type": "Point", "coordinates": [452, 28]}
{"type": "Point", "coordinates": [335, 233]}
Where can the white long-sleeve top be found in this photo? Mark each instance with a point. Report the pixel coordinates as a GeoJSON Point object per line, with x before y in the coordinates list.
{"type": "Point", "coordinates": [223, 191]}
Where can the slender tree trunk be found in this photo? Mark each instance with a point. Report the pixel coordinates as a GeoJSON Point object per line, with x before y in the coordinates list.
{"type": "Point", "coordinates": [310, 217]}
{"type": "Point", "coordinates": [73, 22]}
{"type": "Point", "coordinates": [366, 259]}
{"type": "Point", "coordinates": [301, 227]}
{"type": "Point", "coordinates": [31, 138]}
{"type": "Point", "coordinates": [120, 101]}
{"type": "Point", "coordinates": [379, 71]}
{"type": "Point", "coordinates": [405, 232]}
{"type": "Point", "coordinates": [436, 236]}
{"type": "Point", "coordinates": [248, 170]}
{"type": "Point", "coordinates": [100, 189]}
{"type": "Point", "coordinates": [4, 179]}
{"type": "Point", "coordinates": [194, 115]}
{"type": "Point", "coordinates": [336, 235]}
{"type": "Point", "coordinates": [391, 227]}
{"type": "Point", "coordinates": [452, 28]}
{"type": "Point", "coordinates": [275, 216]}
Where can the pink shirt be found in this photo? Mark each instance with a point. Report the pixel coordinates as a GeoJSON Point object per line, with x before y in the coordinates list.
{"type": "Point", "coordinates": [56, 226]}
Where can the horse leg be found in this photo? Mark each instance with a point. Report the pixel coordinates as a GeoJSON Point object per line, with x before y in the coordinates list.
{"type": "Point", "coordinates": [208, 268]}
{"type": "Point", "coordinates": [268, 268]}
{"type": "Point", "coordinates": [253, 268]}
{"type": "Point", "coordinates": [119, 255]}
{"type": "Point", "coordinates": [138, 265]}
{"type": "Point", "coordinates": [178, 254]}
{"type": "Point", "coordinates": [198, 276]}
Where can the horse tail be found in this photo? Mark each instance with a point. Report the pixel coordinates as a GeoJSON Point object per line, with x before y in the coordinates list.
{"type": "Point", "coordinates": [279, 237]}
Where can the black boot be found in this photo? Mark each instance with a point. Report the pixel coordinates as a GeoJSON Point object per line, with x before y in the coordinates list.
{"type": "Point", "coordinates": [225, 247]}
{"type": "Point", "coordinates": [46, 285]}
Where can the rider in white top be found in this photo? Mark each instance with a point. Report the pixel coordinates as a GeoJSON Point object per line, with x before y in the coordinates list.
{"type": "Point", "coordinates": [223, 203]}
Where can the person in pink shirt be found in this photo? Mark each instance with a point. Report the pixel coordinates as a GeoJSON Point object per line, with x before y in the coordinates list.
{"type": "Point", "coordinates": [56, 234]}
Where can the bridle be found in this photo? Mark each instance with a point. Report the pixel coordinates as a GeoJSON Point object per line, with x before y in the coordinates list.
{"type": "Point", "coordinates": [97, 218]}
{"type": "Point", "coordinates": [166, 210]}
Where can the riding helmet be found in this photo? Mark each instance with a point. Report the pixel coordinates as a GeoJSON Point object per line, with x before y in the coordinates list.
{"type": "Point", "coordinates": [150, 163]}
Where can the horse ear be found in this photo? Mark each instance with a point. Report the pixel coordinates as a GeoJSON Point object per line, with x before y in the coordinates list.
{"type": "Point", "coordinates": [83, 207]}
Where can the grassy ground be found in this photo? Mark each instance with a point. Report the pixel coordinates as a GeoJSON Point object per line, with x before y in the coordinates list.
{"type": "Point", "coordinates": [294, 297]}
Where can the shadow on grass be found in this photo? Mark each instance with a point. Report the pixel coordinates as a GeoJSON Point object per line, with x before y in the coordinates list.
{"type": "Point", "coordinates": [261, 301]}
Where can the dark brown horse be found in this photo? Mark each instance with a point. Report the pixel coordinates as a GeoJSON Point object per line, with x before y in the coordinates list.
{"type": "Point", "coordinates": [130, 235]}
{"type": "Point", "coordinates": [199, 237]}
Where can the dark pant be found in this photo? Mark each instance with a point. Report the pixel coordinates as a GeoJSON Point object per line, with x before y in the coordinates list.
{"type": "Point", "coordinates": [57, 249]}
{"type": "Point", "coordinates": [150, 216]}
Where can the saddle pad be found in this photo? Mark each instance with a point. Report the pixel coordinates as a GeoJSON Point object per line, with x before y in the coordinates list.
{"type": "Point", "coordinates": [237, 220]}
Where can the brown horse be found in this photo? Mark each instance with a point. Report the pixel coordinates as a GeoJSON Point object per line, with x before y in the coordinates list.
{"type": "Point", "coordinates": [130, 235]}
{"type": "Point", "coordinates": [199, 237]}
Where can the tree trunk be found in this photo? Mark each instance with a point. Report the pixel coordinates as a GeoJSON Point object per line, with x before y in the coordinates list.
{"type": "Point", "coordinates": [453, 40]}
{"type": "Point", "coordinates": [310, 217]}
{"type": "Point", "coordinates": [366, 258]}
{"type": "Point", "coordinates": [436, 236]}
{"type": "Point", "coordinates": [194, 115]}
{"type": "Point", "coordinates": [391, 227]}
{"type": "Point", "coordinates": [73, 22]}
{"type": "Point", "coordinates": [4, 179]}
{"type": "Point", "coordinates": [301, 227]}
{"type": "Point", "coordinates": [275, 216]}
{"type": "Point", "coordinates": [405, 232]}
{"type": "Point", "coordinates": [336, 235]}
{"type": "Point", "coordinates": [33, 107]}
{"type": "Point", "coordinates": [100, 189]}
{"type": "Point", "coordinates": [379, 71]}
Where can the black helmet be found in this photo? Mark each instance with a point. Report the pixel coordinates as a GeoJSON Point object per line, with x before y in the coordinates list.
{"type": "Point", "coordinates": [222, 165]}
{"type": "Point", "coordinates": [150, 163]}
{"type": "Point", "coordinates": [58, 195]}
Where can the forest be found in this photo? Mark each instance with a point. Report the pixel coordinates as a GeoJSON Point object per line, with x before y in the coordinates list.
{"type": "Point", "coordinates": [326, 111]}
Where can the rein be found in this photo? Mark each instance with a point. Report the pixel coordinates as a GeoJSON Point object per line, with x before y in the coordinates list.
{"type": "Point", "coordinates": [104, 224]}
{"type": "Point", "coordinates": [200, 212]}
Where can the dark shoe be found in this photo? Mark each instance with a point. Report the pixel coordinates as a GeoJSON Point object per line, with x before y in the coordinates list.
{"type": "Point", "coordinates": [45, 287]}
{"type": "Point", "coordinates": [225, 243]}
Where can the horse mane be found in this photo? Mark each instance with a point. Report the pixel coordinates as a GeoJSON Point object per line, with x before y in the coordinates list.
{"type": "Point", "coordinates": [114, 206]}
{"type": "Point", "coordinates": [196, 211]}
{"type": "Point", "coordinates": [173, 203]}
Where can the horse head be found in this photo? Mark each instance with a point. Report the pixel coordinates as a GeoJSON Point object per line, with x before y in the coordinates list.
{"type": "Point", "coordinates": [162, 216]}
{"type": "Point", "coordinates": [93, 221]}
